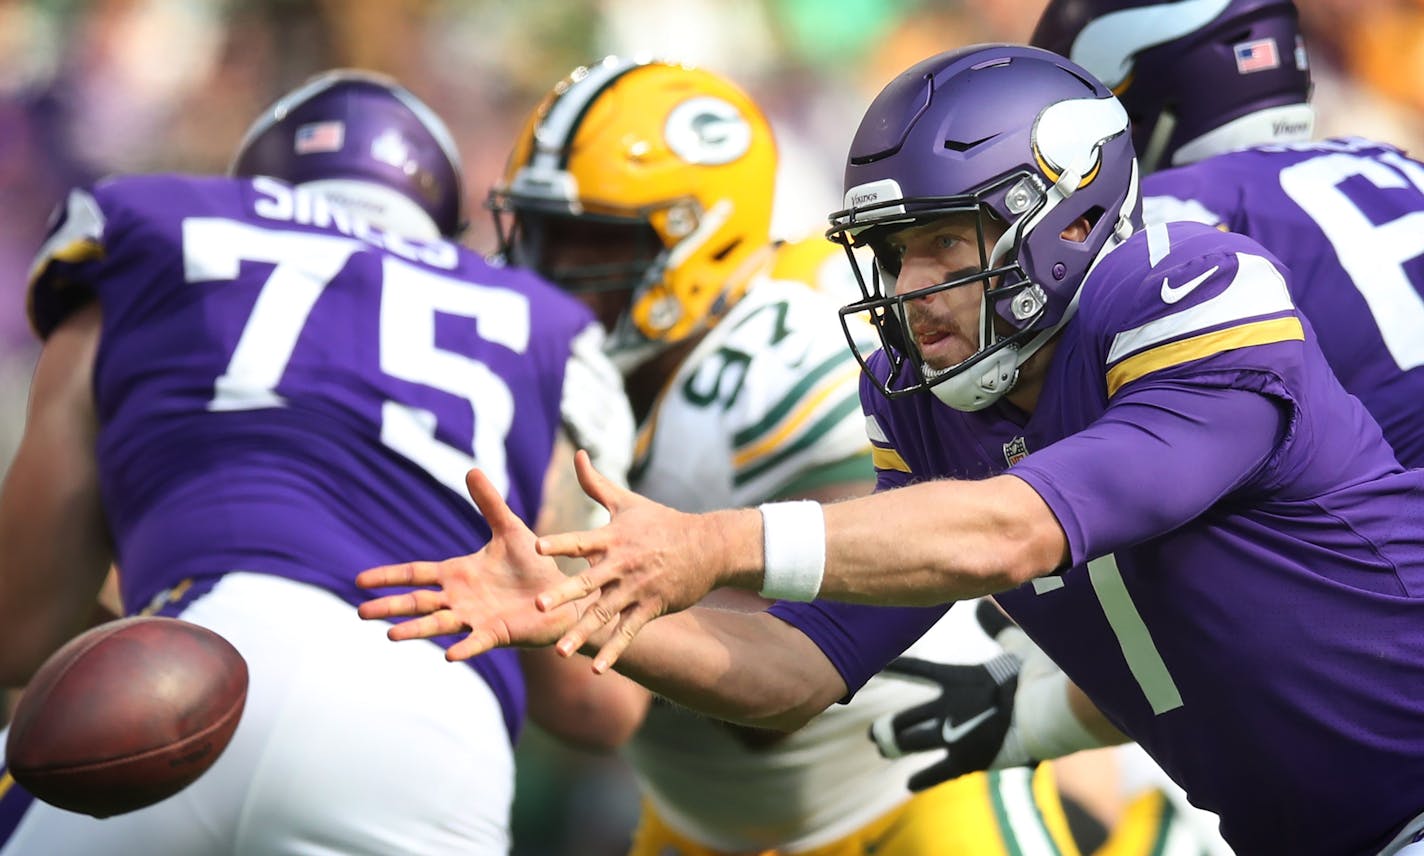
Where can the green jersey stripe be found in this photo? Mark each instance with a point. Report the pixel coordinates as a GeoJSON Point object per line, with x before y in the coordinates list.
{"type": "Point", "coordinates": [822, 427]}
{"type": "Point", "coordinates": [751, 434]}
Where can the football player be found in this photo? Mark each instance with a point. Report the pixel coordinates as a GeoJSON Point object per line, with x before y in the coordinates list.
{"type": "Point", "coordinates": [1218, 92]}
{"type": "Point", "coordinates": [235, 370]}
{"type": "Point", "coordinates": [1219, 95]}
{"type": "Point", "coordinates": [1207, 533]}
{"type": "Point", "coordinates": [644, 188]}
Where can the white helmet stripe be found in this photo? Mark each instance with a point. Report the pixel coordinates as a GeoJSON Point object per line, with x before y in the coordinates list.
{"type": "Point", "coordinates": [558, 127]}
{"type": "Point", "coordinates": [1106, 46]}
{"type": "Point", "coordinates": [1069, 136]}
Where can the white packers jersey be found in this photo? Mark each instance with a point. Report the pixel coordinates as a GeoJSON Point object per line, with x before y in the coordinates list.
{"type": "Point", "coordinates": [810, 788]}
{"type": "Point", "coordinates": [767, 405]}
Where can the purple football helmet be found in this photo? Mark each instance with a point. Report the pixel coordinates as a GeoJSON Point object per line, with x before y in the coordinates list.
{"type": "Point", "coordinates": [367, 141]}
{"type": "Point", "coordinates": [1198, 77]}
{"type": "Point", "coordinates": [1019, 137]}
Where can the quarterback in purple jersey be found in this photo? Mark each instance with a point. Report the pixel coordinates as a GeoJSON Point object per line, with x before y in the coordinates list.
{"type": "Point", "coordinates": [1218, 92]}
{"type": "Point", "coordinates": [1207, 532]}
{"type": "Point", "coordinates": [231, 366]}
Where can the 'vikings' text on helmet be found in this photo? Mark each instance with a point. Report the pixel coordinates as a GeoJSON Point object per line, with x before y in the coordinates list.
{"type": "Point", "coordinates": [365, 140]}
{"type": "Point", "coordinates": [1019, 137]}
{"type": "Point", "coordinates": [677, 156]}
{"type": "Point", "coordinates": [1198, 77]}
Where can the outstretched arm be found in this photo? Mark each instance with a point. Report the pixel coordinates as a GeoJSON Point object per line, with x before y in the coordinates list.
{"type": "Point", "coordinates": [55, 539]}
{"type": "Point", "coordinates": [936, 541]}
{"type": "Point", "coordinates": [594, 712]}
{"type": "Point", "coordinates": [750, 668]}
{"type": "Point", "coordinates": [968, 538]}
{"type": "Point", "coordinates": [566, 698]}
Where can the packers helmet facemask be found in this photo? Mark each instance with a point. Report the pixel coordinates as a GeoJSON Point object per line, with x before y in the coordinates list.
{"type": "Point", "coordinates": [672, 164]}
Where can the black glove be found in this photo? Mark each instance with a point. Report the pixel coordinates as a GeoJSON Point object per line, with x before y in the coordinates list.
{"type": "Point", "coordinates": [969, 720]}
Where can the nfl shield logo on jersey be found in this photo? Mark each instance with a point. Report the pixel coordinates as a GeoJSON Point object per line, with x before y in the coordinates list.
{"type": "Point", "coordinates": [1015, 450]}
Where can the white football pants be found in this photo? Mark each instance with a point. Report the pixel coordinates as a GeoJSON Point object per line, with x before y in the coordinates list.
{"type": "Point", "coordinates": [349, 744]}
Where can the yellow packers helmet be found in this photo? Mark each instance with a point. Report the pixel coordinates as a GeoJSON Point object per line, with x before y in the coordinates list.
{"type": "Point", "coordinates": [678, 156]}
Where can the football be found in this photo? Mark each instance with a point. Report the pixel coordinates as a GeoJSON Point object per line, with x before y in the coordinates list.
{"type": "Point", "coordinates": [126, 714]}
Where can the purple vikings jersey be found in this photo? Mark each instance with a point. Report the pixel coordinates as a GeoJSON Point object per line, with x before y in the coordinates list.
{"type": "Point", "coordinates": [288, 399]}
{"type": "Point", "coordinates": [1347, 218]}
{"type": "Point", "coordinates": [1250, 610]}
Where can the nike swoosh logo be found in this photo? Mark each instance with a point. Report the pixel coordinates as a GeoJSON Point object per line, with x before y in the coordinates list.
{"type": "Point", "coordinates": [952, 732]}
{"type": "Point", "coordinates": [1171, 294]}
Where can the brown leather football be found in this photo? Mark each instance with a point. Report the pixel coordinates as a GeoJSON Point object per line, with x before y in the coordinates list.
{"type": "Point", "coordinates": [126, 714]}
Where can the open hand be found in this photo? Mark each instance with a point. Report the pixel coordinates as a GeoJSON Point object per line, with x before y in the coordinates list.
{"type": "Point", "coordinates": [648, 560]}
{"type": "Point", "coordinates": [490, 593]}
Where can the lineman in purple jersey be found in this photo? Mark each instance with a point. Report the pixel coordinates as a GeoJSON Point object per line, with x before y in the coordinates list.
{"type": "Point", "coordinates": [230, 365]}
{"type": "Point", "coordinates": [1343, 215]}
{"type": "Point", "coordinates": [1210, 535]}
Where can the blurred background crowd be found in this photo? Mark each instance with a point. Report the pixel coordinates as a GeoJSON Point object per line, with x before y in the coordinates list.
{"type": "Point", "coordinates": [94, 87]}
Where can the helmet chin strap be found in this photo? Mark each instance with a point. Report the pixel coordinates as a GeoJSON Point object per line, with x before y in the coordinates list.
{"type": "Point", "coordinates": [980, 387]}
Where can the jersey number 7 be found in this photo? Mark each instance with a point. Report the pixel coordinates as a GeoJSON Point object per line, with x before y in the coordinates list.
{"type": "Point", "coordinates": [304, 264]}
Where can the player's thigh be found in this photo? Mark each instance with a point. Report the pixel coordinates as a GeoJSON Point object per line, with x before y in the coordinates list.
{"type": "Point", "coordinates": [368, 746]}
{"type": "Point", "coordinates": [1001, 813]}
{"type": "Point", "coordinates": [347, 741]}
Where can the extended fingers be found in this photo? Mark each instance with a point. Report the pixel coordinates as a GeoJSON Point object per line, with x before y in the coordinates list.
{"type": "Point", "coordinates": [418, 602]}
{"type": "Point", "coordinates": [488, 500]}
{"type": "Point", "coordinates": [599, 488]}
{"type": "Point", "coordinates": [632, 621]}
{"type": "Point", "coordinates": [404, 574]}
{"type": "Point", "coordinates": [601, 613]}
{"type": "Point", "coordinates": [439, 623]}
{"type": "Point", "coordinates": [579, 545]}
{"type": "Point", "coordinates": [577, 587]}
{"type": "Point", "coordinates": [478, 642]}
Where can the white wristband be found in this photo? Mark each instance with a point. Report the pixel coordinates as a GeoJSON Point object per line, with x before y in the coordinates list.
{"type": "Point", "coordinates": [793, 549]}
